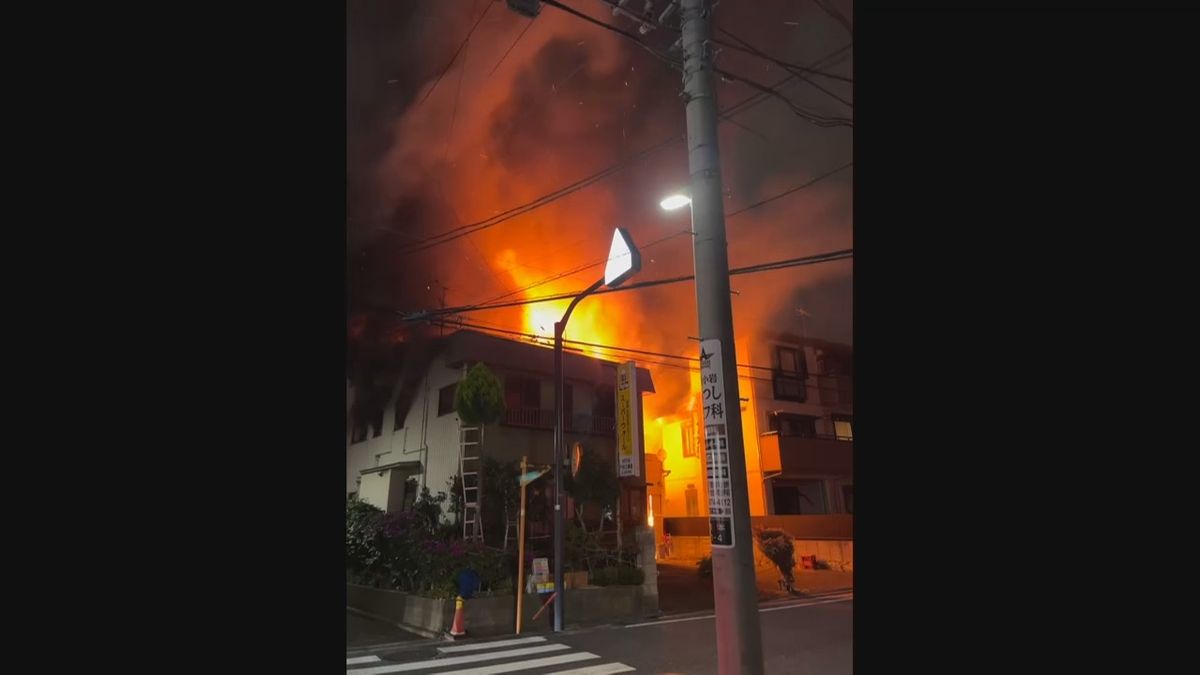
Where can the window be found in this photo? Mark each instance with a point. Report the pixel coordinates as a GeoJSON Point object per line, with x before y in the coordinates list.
{"type": "Point", "coordinates": [848, 498]}
{"type": "Point", "coordinates": [522, 392]}
{"type": "Point", "coordinates": [790, 375]}
{"type": "Point", "coordinates": [377, 423]}
{"type": "Point", "coordinates": [606, 401]}
{"type": "Point", "coordinates": [843, 427]}
{"type": "Point", "coordinates": [802, 497]}
{"type": "Point", "coordinates": [691, 448]}
{"type": "Point", "coordinates": [446, 399]}
{"type": "Point", "coordinates": [834, 364]}
{"type": "Point", "coordinates": [789, 424]}
{"type": "Point", "coordinates": [360, 432]}
{"type": "Point", "coordinates": [692, 499]}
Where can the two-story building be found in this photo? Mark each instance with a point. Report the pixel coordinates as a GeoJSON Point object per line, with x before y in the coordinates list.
{"type": "Point", "coordinates": [797, 413]}
{"type": "Point", "coordinates": [408, 437]}
{"type": "Point", "coordinates": [805, 419]}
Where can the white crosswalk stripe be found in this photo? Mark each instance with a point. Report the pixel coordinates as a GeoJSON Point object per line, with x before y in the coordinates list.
{"type": "Point", "coordinates": [532, 653]}
{"type": "Point", "coordinates": [602, 669]}
{"type": "Point", "coordinates": [490, 645]}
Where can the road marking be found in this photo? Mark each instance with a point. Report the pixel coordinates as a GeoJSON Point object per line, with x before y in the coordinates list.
{"type": "Point", "coordinates": [845, 598]}
{"type": "Point", "coordinates": [523, 665]}
{"type": "Point", "coordinates": [456, 660]}
{"type": "Point", "coordinates": [489, 645]}
{"type": "Point", "coordinates": [810, 604]}
{"type": "Point", "coordinates": [362, 659]}
{"type": "Point", "coordinates": [602, 669]}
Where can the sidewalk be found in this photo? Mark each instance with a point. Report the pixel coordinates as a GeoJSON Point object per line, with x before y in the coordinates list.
{"type": "Point", "coordinates": [364, 632]}
{"type": "Point", "coordinates": [682, 589]}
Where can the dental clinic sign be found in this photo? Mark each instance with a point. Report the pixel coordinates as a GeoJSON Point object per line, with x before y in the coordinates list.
{"type": "Point", "coordinates": [716, 445]}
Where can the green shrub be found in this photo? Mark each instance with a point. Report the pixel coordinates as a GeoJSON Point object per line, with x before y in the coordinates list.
{"type": "Point", "coordinates": [705, 566]}
{"type": "Point", "coordinates": [479, 398]}
{"type": "Point", "coordinates": [630, 576]}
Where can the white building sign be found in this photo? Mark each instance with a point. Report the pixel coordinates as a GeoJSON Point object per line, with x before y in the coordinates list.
{"type": "Point", "coordinates": [716, 445]}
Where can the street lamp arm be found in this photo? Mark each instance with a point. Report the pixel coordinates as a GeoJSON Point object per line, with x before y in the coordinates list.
{"type": "Point", "coordinates": [575, 301]}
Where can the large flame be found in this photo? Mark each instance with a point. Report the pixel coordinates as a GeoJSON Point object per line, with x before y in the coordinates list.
{"type": "Point", "coordinates": [571, 100]}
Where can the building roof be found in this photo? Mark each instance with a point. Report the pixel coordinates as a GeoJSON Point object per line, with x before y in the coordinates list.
{"type": "Point", "coordinates": [818, 343]}
{"type": "Point", "coordinates": [468, 346]}
{"type": "Point", "coordinates": [471, 346]}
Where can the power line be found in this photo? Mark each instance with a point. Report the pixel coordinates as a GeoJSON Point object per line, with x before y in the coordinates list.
{"type": "Point", "coordinates": [462, 72]}
{"type": "Point", "coordinates": [455, 233]}
{"type": "Point", "coordinates": [456, 52]}
{"type": "Point", "coordinates": [816, 119]}
{"type": "Point", "coordinates": [748, 48]}
{"type": "Point", "coordinates": [835, 14]}
{"type": "Point", "coordinates": [750, 269]}
{"type": "Point", "coordinates": [577, 270]}
{"type": "Point", "coordinates": [597, 263]}
{"type": "Point", "coordinates": [616, 29]}
{"type": "Point", "coordinates": [785, 193]}
{"type": "Point", "coordinates": [831, 58]}
{"type": "Point", "coordinates": [538, 340]}
{"type": "Point", "coordinates": [528, 25]}
{"type": "Point", "coordinates": [790, 69]}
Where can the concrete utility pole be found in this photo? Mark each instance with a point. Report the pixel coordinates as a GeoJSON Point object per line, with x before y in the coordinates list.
{"type": "Point", "coordinates": [739, 637]}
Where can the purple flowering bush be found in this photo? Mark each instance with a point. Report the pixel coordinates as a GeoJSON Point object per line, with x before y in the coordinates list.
{"type": "Point", "coordinates": [400, 551]}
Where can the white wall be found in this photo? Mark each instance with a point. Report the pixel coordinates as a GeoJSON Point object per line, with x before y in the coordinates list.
{"type": "Point", "coordinates": [405, 444]}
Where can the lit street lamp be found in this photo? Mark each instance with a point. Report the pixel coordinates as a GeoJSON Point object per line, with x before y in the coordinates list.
{"type": "Point", "coordinates": [675, 201]}
{"type": "Point", "coordinates": [624, 261]}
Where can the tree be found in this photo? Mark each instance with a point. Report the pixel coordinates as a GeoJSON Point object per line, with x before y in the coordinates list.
{"type": "Point", "coordinates": [479, 398]}
{"type": "Point", "coordinates": [596, 483]}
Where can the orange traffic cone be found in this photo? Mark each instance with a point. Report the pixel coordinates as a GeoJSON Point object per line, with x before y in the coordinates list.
{"type": "Point", "coordinates": [459, 628]}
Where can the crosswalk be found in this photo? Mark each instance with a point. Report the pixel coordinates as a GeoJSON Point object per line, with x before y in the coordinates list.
{"type": "Point", "coordinates": [524, 655]}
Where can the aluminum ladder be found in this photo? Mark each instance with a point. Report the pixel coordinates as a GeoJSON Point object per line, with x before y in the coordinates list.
{"type": "Point", "coordinates": [470, 442]}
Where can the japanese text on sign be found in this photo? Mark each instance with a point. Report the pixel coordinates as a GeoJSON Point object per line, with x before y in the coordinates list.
{"type": "Point", "coordinates": [628, 441]}
{"type": "Point", "coordinates": [716, 445]}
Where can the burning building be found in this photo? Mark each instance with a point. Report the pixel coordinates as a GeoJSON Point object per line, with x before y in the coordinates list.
{"type": "Point", "coordinates": [410, 438]}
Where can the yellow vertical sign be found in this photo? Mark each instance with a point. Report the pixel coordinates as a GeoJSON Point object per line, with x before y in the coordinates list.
{"type": "Point", "coordinates": [628, 444]}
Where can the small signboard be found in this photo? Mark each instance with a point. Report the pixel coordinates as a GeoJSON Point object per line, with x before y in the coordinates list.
{"type": "Point", "coordinates": [629, 450]}
{"type": "Point", "coordinates": [541, 575]}
{"type": "Point", "coordinates": [716, 445]}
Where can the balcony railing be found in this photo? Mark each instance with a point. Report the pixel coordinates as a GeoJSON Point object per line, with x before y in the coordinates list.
{"type": "Point", "coordinates": [536, 418]}
{"type": "Point", "coordinates": [831, 391]}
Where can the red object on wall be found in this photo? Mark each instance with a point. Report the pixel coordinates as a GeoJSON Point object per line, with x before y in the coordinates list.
{"type": "Point", "coordinates": [808, 562]}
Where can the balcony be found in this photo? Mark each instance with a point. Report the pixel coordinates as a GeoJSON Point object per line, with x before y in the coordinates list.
{"type": "Point", "coordinates": [537, 418]}
{"type": "Point", "coordinates": [806, 455]}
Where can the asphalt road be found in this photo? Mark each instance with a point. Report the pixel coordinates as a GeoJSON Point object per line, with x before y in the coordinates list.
{"type": "Point", "coordinates": [813, 635]}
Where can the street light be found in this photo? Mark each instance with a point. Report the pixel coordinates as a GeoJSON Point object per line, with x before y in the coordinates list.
{"type": "Point", "coordinates": [676, 201]}
{"type": "Point", "coordinates": [624, 261]}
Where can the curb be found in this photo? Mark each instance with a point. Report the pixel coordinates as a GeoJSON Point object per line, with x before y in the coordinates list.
{"type": "Point", "coordinates": [425, 633]}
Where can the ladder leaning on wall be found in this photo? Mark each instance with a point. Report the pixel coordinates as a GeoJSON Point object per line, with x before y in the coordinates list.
{"type": "Point", "coordinates": [470, 443]}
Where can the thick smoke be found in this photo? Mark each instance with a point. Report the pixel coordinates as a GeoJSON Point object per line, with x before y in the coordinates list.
{"type": "Point", "coordinates": [569, 100]}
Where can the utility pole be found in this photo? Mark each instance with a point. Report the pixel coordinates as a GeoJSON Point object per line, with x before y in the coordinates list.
{"type": "Point", "coordinates": [739, 637]}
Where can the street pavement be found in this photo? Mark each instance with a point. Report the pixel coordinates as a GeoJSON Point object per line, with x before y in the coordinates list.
{"type": "Point", "coordinates": [363, 632]}
{"type": "Point", "coordinates": [811, 635]}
